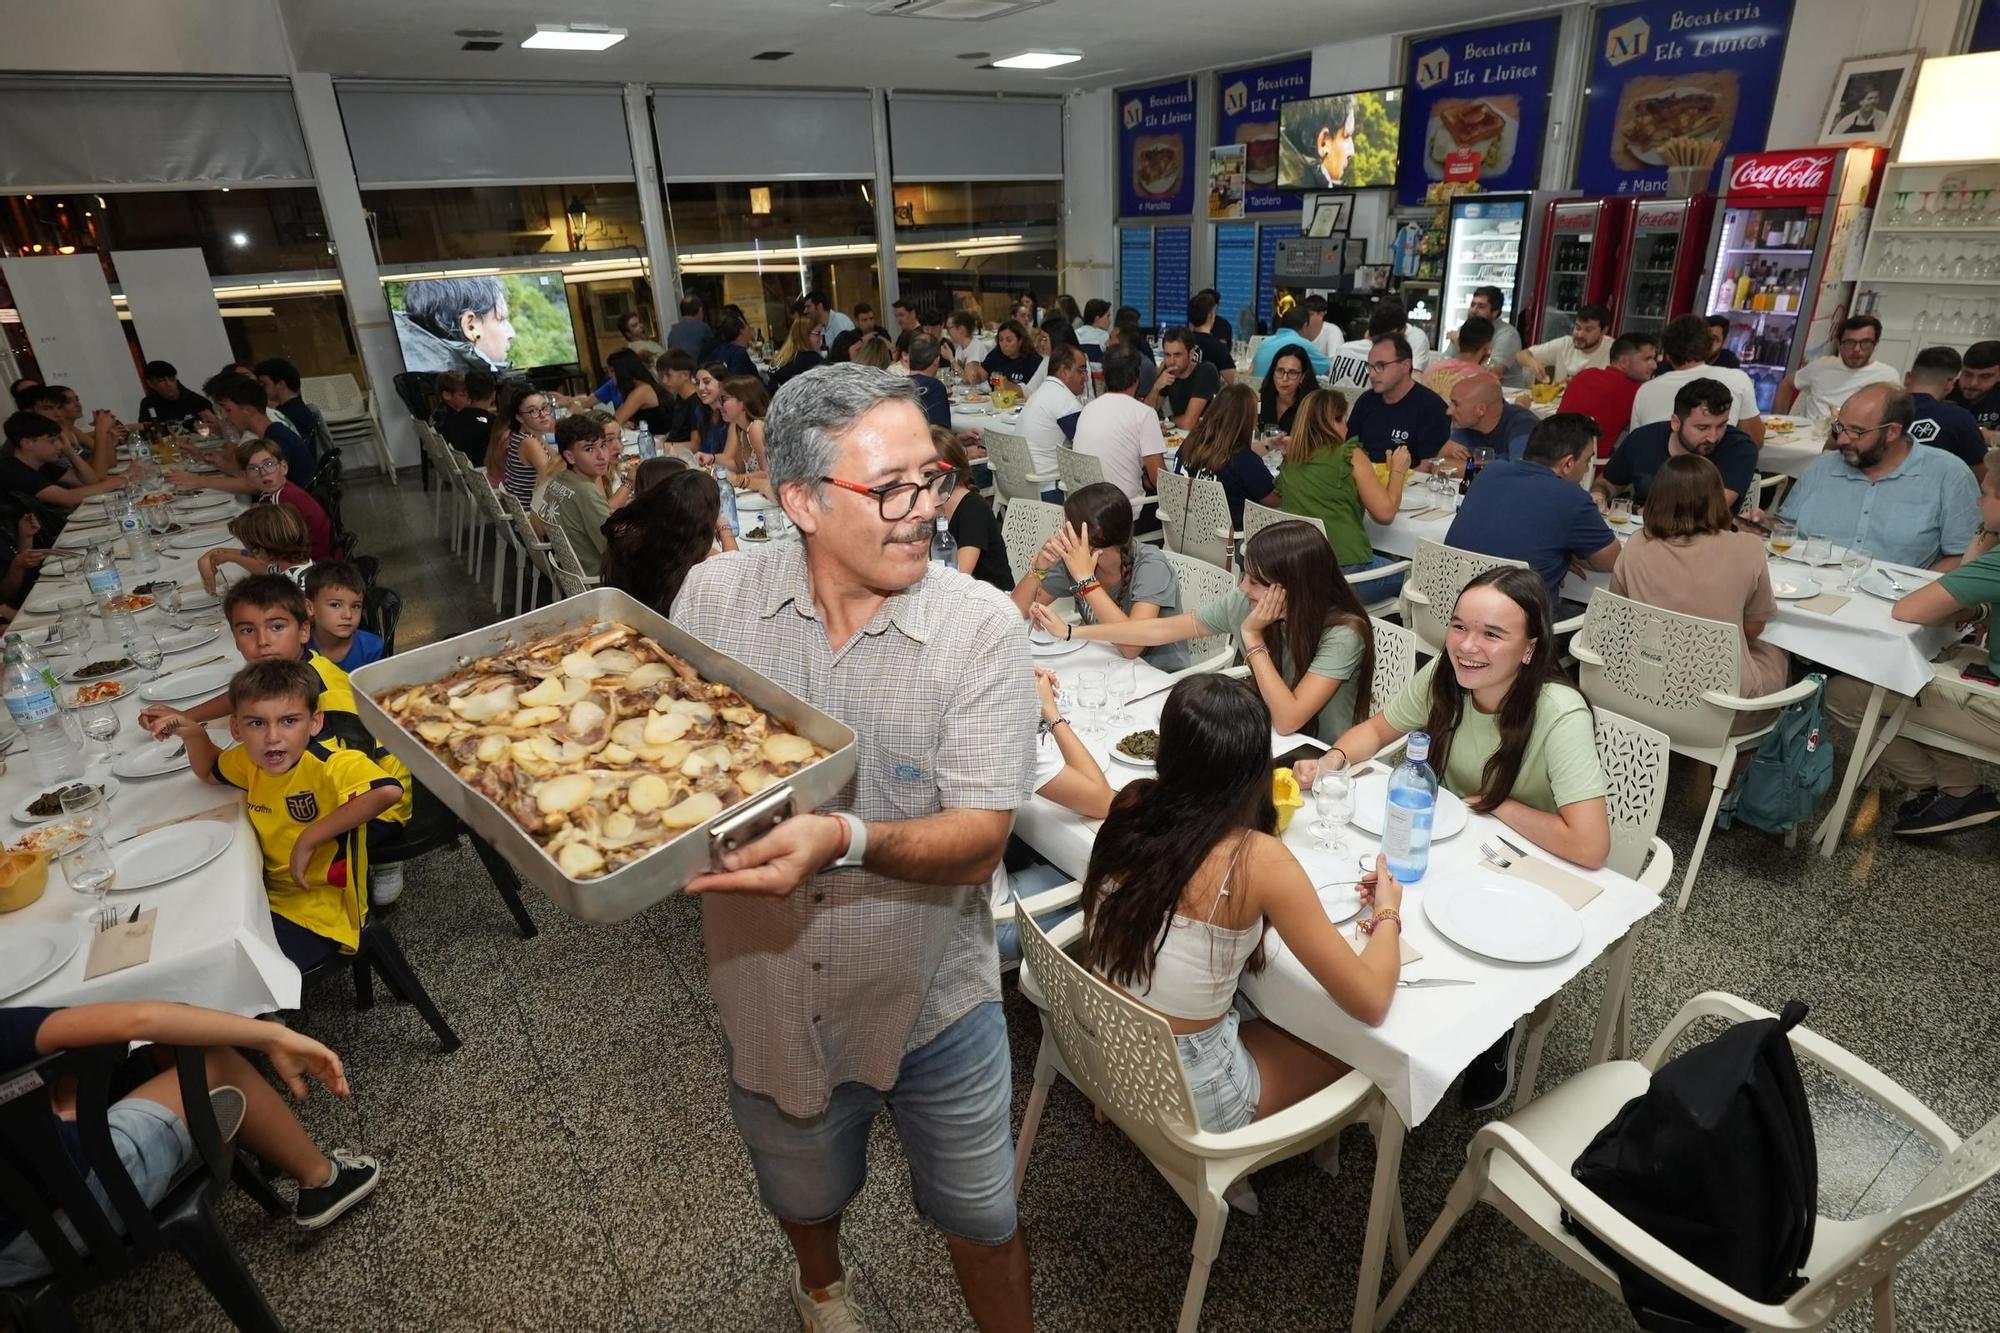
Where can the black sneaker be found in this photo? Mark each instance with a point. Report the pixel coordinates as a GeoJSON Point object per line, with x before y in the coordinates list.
{"type": "Point", "coordinates": [1489, 1079]}
{"type": "Point", "coordinates": [1948, 814]}
{"type": "Point", "coordinates": [1918, 800]}
{"type": "Point", "coordinates": [354, 1179]}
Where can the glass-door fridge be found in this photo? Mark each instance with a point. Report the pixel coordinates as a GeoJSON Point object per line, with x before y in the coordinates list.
{"type": "Point", "coordinates": [1485, 246]}
{"type": "Point", "coordinates": [1779, 258]}
{"type": "Point", "coordinates": [1579, 244]}
{"type": "Point", "coordinates": [1660, 262]}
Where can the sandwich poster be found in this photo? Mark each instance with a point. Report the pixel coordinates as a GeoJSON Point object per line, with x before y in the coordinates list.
{"type": "Point", "coordinates": [1475, 104]}
{"type": "Point", "coordinates": [1671, 82]}
{"type": "Point", "coordinates": [1247, 114]}
{"type": "Point", "coordinates": [1156, 163]}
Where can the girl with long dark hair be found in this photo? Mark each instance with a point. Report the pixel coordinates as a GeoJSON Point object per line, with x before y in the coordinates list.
{"type": "Point", "coordinates": [671, 525]}
{"type": "Point", "coordinates": [1094, 558]}
{"type": "Point", "coordinates": [519, 452]}
{"type": "Point", "coordinates": [982, 549]}
{"type": "Point", "coordinates": [711, 431]}
{"type": "Point", "coordinates": [644, 400]}
{"type": "Point", "coordinates": [1014, 356]}
{"type": "Point", "coordinates": [1223, 445]}
{"type": "Point", "coordinates": [1288, 382]}
{"type": "Point", "coordinates": [1184, 877]}
{"type": "Point", "coordinates": [743, 403]}
{"type": "Point", "coordinates": [1306, 637]}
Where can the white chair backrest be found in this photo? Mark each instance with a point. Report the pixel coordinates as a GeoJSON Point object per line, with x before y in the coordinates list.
{"type": "Point", "coordinates": [1634, 758]}
{"type": "Point", "coordinates": [1438, 573]}
{"type": "Point", "coordinates": [1028, 525]}
{"type": "Point", "coordinates": [1396, 653]}
{"type": "Point", "coordinates": [336, 396]}
{"type": "Point", "coordinates": [1257, 517]}
{"type": "Point", "coordinates": [1074, 471]}
{"type": "Point", "coordinates": [569, 571]}
{"type": "Point", "coordinates": [1657, 666]}
{"type": "Point", "coordinates": [1175, 490]}
{"type": "Point", "coordinates": [1203, 584]}
{"type": "Point", "coordinates": [1013, 463]}
{"type": "Point", "coordinates": [1204, 534]}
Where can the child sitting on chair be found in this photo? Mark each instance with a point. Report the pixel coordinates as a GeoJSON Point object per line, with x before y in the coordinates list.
{"type": "Point", "coordinates": [335, 592]}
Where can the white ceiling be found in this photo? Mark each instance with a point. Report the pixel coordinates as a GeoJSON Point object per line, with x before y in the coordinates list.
{"type": "Point", "coordinates": [837, 45]}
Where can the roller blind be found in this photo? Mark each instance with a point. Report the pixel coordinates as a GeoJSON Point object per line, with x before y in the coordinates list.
{"type": "Point", "coordinates": [134, 133]}
{"type": "Point", "coordinates": [748, 136]}
{"type": "Point", "coordinates": [438, 134]}
{"type": "Point", "coordinates": [1019, 138]}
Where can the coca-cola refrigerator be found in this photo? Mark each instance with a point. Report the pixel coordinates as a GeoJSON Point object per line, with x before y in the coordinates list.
{"type": "Point", "coordinates": [1785, 251]}
{"type": "Point", "coordinates": [1577, 265]}
{"type": "Point", "coordinates": [1659, 261]}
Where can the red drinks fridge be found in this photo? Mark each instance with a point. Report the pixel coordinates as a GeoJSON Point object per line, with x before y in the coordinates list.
{"type": "Point", "coordinates": [1577, 265]}
{"type": "Point", "coordinates": [1785, 252]}
{"type": "Point", "coordinates": [1659, 264]}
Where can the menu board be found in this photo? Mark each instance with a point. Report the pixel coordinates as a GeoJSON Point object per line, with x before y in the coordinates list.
{"type": "Point", "coordinates": [1476, 104]}
{"type": "Point", "coordinates": [1268, 237]}
{"type": "Point", "coordinates": [1236, 275]}
{"type": "Point", "coordinates": [1704, 75]}
{"type": "Point", "coordinates": [1135, 271]}
{"type": "Point", "coordinates": [1172, 266]}
{"type": "Point", "coordinates": [1247, 114]}
{"type": "Point", "coordinates": [1156, 166]}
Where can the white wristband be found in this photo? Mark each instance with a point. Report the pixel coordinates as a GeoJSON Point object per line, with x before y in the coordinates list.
{"type": "Point", "coordinates": [857, 840]}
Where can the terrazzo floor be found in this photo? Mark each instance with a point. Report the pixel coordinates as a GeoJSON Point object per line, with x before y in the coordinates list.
{"type": "Point", "coordinates": [574, 1166]}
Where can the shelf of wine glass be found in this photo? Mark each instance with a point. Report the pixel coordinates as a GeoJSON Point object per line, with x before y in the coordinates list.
{"type": "Point", "coordinates": [1990, 230]}
{"type": "Point", "coordinates": [1931, 282]}
{"type": "Point", "coordinates": [1746, 310]}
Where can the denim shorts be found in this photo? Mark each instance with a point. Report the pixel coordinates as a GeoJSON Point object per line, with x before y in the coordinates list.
{"type": "Point", "coordinates": [1373, 590]}
{"type": "Point", "coordinates": [1222, 1074]}
{"type": "Point", "coordinates": [154, 1145]}
{"type": "Point", "coordinates": [952, 1105]}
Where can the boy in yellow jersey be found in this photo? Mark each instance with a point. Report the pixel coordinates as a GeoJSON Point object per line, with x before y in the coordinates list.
{"type": "Point", "coordinates": [270, 620]}
{"type": "Point", "coordinates": [307, 801]}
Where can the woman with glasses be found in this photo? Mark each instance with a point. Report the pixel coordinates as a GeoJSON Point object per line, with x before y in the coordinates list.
{"type": "Point", "coordinates": [743, 403]}
{"type": "Point", "coordinates": [1287, 385]}
{"type": "Point", "coordinates": [518, 452]}
{"type": "Point", "coordinates": [1326, 475]}
{"type": "Point", "coordinates": [1223, 445]}
{"type": "Point", "coordinates": [1114, 578]}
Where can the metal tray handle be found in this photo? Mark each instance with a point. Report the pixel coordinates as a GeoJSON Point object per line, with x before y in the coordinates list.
{"type": "Point", "coordinates": [749, 822]}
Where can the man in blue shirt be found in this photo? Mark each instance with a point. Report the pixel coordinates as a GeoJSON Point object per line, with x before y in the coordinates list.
{"type": "Point", "coordinates": [923, 378]}
{"type": "Point", "coordinates": [692, 334]}
{"type": "Point", "coordinates": [1534, 511]}
{"type": "Point", "coordinates": [731, 335]}
{"type": "Point", "coordinates": [1291, 326]}
{"type": "Point", "coordinates": [1397, 412]}
{"type": "Point", "coordinates": [1481, 417]}
{"type": "Point", "coordinates": [1699, 425]}
{"type": "Point", "coordinates": [1883, 495]}
{"type": "Point", "coordinates": [820, 310]}
{"type": "Point", "coordinates": [1978, 390]}
{"type": "Point", "coordinates": [1939, 423]}
{"type": "Point", "coordinates": [241, 403]}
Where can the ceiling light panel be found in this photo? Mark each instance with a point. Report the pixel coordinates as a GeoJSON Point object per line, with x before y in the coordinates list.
{"type": "Point", "coordinates": [573, 37]}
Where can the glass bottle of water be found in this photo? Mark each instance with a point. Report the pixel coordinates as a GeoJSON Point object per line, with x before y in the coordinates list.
{"type": "Point", "coordinates": [1406, 822]}
{"type": "Point", "coordinates": [31, 702]}
{"type": "Point", "coordinates": [728, 490]}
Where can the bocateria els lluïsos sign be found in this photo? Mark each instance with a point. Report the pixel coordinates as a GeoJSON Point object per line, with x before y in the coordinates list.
{"type": "Point", "coordinates": [1662, 72]}
{"type": "Point", "coordinates": [1156, 150]}
{"type": "Point", "coordinates": [1474, 107]}
{"type": "Point", "coordinates": [1247, 102]}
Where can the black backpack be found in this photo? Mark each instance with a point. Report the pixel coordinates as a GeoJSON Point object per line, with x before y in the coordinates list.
{"type": "Point", "coordinates": [1716, 1161]}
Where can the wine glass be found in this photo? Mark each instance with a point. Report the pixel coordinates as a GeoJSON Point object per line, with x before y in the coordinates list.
{"type": "Point", "coordinates": [167, 596]}
{"type": "Point", "coordinates": [83, 807]}
{"type": "Point", "coordinates": [89, 870]}
{"type": "Point", "coordinates": [144, 649]}
{"type": "Point", "coordinates": [1122, 680]}
{"type": "Point", "coordinates": [1090, 700]}
{"type": "Point", "coordinates": [1621, 512]}
{"type": "Point", "coordinates": [1853, 564]}
{"type": "Point", "coordinates": [100, 723]}
{"type": "Point", "coordinates": [1333, 803]}
{"type": "Point", "coordinates": [1783, 534]}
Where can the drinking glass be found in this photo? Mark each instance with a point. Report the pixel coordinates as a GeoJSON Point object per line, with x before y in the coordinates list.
{"type": "Point", "coordinates": [144, 649]}
{"type": "Point", "coordinates": [90, 871]}
{"type": "Point", "coordinates": [1816, 551]}
{"type": "Point", "coordinates": [100, 723]}
{"type": "Point", "coordinates": [1090, 700]}
{"type": "Point", "coordinates": [1853, 564]}
{"type": "Point", "coordinates": [83, 806]}
{"type": "Point", "coordinates": [1621, 512]}
{"type": "Point", "coordinates": [73, 616]}
{"type": "Point", "coordinates": [1122, 680]}
{"type": "Point", "coordinates": [1333, 803]}
{"type": "Point", "coordinates": [167, 596]}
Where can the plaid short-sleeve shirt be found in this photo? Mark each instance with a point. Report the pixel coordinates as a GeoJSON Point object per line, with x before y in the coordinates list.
{"type": "Point", "coordinates": [834, 982]}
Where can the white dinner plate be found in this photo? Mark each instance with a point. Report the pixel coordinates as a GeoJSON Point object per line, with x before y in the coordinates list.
{"type": "Point", "coordinates": [1039, 645]}
{"type": "Point", "coordinates": [1371, 795]}
{"type": "Point", "coordinates": [1130, 760]}
{"type": "Point", "coordinates": [200, 540]}
{"type": "Point", "coordinates": [197, 599]}
{"type": "Point", "coordinates": [1341, 901]}
{"type": "Point", "coordinates": [170, 852]}
{"type": "Point", "coordinates": [30, 954]}
{"type": "Point", "coordinates": [1794, 589]}
{"type": "Point", "coordinates": [1414, 498]}
{"type": "Point", "coordinates": [21, 815]}
{"type": "Point", "coordinates": [1506, 919]}
{"type": "Point", "coordinates": [183, 639]}
{"type": "Point", "coordinates": [1876, 584]}
{"type": "Point", "coordinates": [203, 499]}
{"type": "Point", "coordinates": [151, 760]}
{"type": "Point", "coordinates": [1797, 555]}
{"type": "Point", "coordinates": [107, 655]}
{"type": "Point", "coordinates": [199, 683]}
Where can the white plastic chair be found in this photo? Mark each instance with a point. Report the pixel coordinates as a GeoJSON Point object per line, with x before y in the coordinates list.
{"type": "Point", "coordinates": [1680, 674]}
{"type": "Point", "coordinates": [1396, 654]}
{"type": "Point", "coordinates": [570, 577]}
{"type": "Point", "coordinates": [1026, 529]}
{"type": "Point", "coordinates": [1438, 573]}
{"type": "Point", "coordinates": [1122, 1057]}
{"type": "Point", "coordinates": [480, 512]}
{"type": "Point", "coordinates": [1175, 491]}
{"type": "Point", "coordinates": [349, 413]}
{"type": "Point", "coordinates": [436, 450]}
{"type": "Point", "coordinates": [1762, 493]}
{"type": "Point", "coordinates": [1257, 517]}
{"type": "Point", "coordinates": [1207, 534]}
{"type": "Point", "coordinates": [1036, 905]}
{"type": "Point", "coordinates": [1202, 584]}
{"type": "Point", "coordinates": [1013, 466]}
{"type": "Point", "coordinates": [1074, 471]}
{"type": "Point", "coordinates": [537, 564]}
{"type": "Point", "coordinates": [1521, 1166]}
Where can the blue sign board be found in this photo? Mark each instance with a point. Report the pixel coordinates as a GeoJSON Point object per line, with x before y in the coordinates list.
{"type": "Point", "coordinates": [1660, 71]}
{"type": "Point", "coordinates": [1268, 237]}
{"type": "Point", "coordinates": [1247, 114]}
{"type": "Point", "coordinates": [1135, 271]}
{"type": "Point", "coordinates": [1236, 274]}
{"type": "Point", "coordinates": [1172, 267]}
{"type": "Point", "coordinates": [1483, 92]}
{"type": "Point", "coordinates": [1156, 151]}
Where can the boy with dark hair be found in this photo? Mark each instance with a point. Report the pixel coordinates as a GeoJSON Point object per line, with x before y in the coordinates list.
{"type": "Point", "coordinates": [242, 403]}
{"type": "Point", "coordinates": [280, 380]}
{"type": "Point", "coordinates": [167, 400]}
{"type": "Point", "coordinates": [33, 461]}
{"type": "Point", "coordinates": [308, 802]}
{"type": "Point", "coordinates": [1939, 422]}
{"type": "Point", "coordinates": [335, 593]}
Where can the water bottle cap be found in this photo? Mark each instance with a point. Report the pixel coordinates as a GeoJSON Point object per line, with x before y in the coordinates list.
{"type": "Point", "coordinates": [1419, 748]}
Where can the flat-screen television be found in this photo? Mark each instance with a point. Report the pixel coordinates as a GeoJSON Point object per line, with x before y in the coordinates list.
{"type": "Point", "coordinates": [1344, 141]}
{"type": "Point", "coordinates": [509, 321]}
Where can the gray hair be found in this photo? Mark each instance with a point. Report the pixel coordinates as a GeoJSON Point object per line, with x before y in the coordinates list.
{"type": "Point", "coordinates": [812, 412]}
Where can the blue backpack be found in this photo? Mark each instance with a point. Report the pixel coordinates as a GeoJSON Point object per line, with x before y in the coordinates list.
{"type": "Point", "coordinates": [1793, 770]}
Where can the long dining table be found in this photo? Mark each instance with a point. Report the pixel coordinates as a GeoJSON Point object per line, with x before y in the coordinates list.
{"type": "Point", "coordinates": [1430, 1034]}
{"type": "Point", "coordinates": [212, 940]}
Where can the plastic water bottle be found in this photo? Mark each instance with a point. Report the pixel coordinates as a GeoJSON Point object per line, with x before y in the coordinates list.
{"type": "Point", "coordinates": [100, 574]}
{"type": "Point", "coordinates": [647, 449]}
{"type": "Point", "coordinates": [1406, 823]}
{"type": "Point", "coordinates": [31, 702]}
{"type": "Point", "coordinates": [132, 541]}
{"type": "Point", "coordinates": [728, 489]}
{"type": "Point", "coordinates": [38, 664]}
{"type": "Point", "coordinates": [944, 547]}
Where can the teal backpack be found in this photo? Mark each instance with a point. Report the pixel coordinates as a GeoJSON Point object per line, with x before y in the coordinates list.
{"type": "Point", "coordinates": [1792, 771]}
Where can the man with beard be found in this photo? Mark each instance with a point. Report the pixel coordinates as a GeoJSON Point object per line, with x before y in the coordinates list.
{"type": "Point", "coordinates": [1881, 494]}
{"type": "Point", "coordinates": [1699, 425]}
{"type": "Point", "coordinates": [1978, 389]}
{"type": "Point", "coordinates": [1606, 394]}
{"type": "Point", "coordinates": [1822, 384]}
{"type": "Point", "coordinates": [1585, 348]}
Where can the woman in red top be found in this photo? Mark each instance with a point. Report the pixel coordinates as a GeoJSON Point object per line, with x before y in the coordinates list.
{"type": "Point", "coordinates": [264, 463]}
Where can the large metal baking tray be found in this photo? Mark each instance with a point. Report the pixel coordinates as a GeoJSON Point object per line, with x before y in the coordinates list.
{"type": "Point", "coordinates": [663, 871]}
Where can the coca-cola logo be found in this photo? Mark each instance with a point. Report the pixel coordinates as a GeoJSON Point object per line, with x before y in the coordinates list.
{"type": "Point", "coordinates": [1802, 174]}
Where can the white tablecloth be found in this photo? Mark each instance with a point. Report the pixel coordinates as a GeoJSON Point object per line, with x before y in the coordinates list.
{"type": "Point", "coordinates": [979, 416]}
{"type": "Point", "coordinates": [1791, 453]}
{"type": "Point", "coordinates": [212, 943]}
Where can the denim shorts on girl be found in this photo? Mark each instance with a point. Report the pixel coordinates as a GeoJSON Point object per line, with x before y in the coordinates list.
{"type": "Point", "coordinates": [1221, 1074]}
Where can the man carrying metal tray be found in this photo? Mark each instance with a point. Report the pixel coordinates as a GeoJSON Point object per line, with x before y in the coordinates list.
{"type": "Point", "coordinates": [851, 952]}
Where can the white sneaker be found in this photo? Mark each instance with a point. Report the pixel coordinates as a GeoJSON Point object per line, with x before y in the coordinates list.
{"type": "Point", "coordinates": [385, 885]}
{"type": "Point", "coordinates": [831, 1310]}
{"type": "Point", "coordinates": [1242, 1196]}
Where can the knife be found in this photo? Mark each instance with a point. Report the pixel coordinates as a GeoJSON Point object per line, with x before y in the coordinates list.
{"type": "Point", "coordinates": [1422, 983]}
{"type": "Point", "coordinates": [1509, 846]}
{"type": "Point", "coordinates": [1150, 693]}
{"type": "Point", "coordinates": [206, 661]}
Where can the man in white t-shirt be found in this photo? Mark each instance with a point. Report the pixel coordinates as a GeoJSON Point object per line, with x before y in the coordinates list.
{"type": "Point", "coordinates": [1322, 331]}
{"type": "Point", "coordinates": [1584, 347]}
{"type": "Point", "coordinates": [820, 309]}
{"type": "Point", "coordinates": [968, 347]}
{"type": "Point", "coordinates": [1347, 365]}
{"type": "Point", "coordinates": [1818, 388]}
{"type": "Point", "coordinates": [1121, 430]}
{"type": "Point", "coordinates": [1058, 397]}
{"type": "Point", "coordinates": [1390, 317]}
{"type": "Point", "coordinates": [1686, 342]}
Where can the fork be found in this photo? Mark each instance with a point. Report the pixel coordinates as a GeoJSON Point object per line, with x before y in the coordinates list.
{"type": "Point", "coordinates": [104, 918]}
{"type": "Point", "coordinates": [1891, 579]}
{"type": "Point", "coordinates": [1494, 857]}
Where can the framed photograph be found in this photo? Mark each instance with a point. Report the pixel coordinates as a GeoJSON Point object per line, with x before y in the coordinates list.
{"type": "Point", "coordinates": [1331, 215]}
{"type": "Point", "coordinates": [613, 306]}
{"type": "Point", "coordinates": [1868, 98]}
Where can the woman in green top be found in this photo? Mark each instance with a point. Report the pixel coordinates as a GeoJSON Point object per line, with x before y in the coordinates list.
{"type": "Point", "coordinates": [1305, 635]}
{"type": "Point", "coordinates": [1508, 733]}
{"type": "Point", "coordinates": [1328, 477]}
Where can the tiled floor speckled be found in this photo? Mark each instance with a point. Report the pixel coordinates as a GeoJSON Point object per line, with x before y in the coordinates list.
{"type": "Point", "coordinates": [573, 1167]}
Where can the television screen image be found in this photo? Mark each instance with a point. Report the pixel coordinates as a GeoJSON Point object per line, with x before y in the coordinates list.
{"type": "Point", "coordinates": [1345, 141]}
{"type": "Point", "coordinates": [512, 321]}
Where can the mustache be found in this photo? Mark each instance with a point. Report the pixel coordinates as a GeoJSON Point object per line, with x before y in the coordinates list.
{"type": "Point", "coordinates": [911, 533]}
